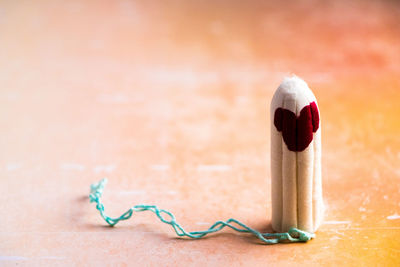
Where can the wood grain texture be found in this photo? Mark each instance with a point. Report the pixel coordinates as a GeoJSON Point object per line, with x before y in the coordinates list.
{"type": "Point", "coordinates": [169, 100]}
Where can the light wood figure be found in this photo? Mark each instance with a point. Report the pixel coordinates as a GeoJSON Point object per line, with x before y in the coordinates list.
{"type": "Point", "coordinates": [295, 158]}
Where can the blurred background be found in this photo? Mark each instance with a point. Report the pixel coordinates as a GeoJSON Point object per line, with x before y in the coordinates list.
{"type": "Point", "coordinates": [170, 100]}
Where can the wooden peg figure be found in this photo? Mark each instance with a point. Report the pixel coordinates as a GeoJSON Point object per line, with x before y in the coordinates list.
{"type": "Point", "coordinates": [295, 158]}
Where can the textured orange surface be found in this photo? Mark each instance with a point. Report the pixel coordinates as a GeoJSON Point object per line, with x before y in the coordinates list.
{"type": "Point", "coordinates": [169, 100]}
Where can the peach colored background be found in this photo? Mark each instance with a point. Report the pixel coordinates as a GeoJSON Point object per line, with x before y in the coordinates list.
{"type": "Point", "coordinates": [169, 100]}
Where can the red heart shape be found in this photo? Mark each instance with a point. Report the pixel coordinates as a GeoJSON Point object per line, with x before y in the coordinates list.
{"type": "Point", "coordinates": [297, 132]}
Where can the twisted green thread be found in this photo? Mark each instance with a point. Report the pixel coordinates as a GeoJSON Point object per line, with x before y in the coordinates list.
{"type": "Point", "coordinates": [293, 235]}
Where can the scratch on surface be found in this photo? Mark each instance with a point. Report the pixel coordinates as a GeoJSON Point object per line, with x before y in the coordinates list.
{"type": "Point", "coordinates": [337, 222]}
{"type": "Point", "coordinates": [160, 167]}
{"type": "Point", "coordinates": [51, 258]}
{"type": "Point", "coordinates": [202, 223]}
{"type": "Point", "coordinates": [142, 192]}
{"type": "Point", "coordinates": [219, 168]}
{"type": "Point", "coordinates": [132, 192]}
{"type": "Point", "coordinates": [104, 168]}
{"type": "Point", "coordinates": [366, 200]}
{"type": "Point", "coordinates": [72, 167]}
{"type": "Point", "coordinates": [12, 258]}
{"type": "Point", "coordinates": [366, 228]}
{"type": "Point", "coordinates": [335, 231]}
{"type": "Point", "coordinates": [13, 166]}
{"type": "Point", "coordinates": [393, 217]}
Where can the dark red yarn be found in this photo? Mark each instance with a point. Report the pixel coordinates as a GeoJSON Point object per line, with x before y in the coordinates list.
{"type": "Point", "coordinates": [297, 132]}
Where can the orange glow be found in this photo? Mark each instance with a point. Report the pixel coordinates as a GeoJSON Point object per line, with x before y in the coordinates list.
{"type": "Point", "coordinates": [169, 100]}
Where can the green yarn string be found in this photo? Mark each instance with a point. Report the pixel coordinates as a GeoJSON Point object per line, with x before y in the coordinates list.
{"type": "Point", "coordinates": [293, 235]}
